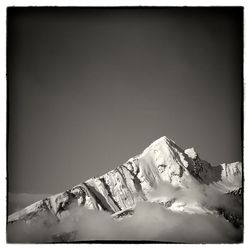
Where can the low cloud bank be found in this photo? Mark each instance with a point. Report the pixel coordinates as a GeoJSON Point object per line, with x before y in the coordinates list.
{"type": "Point", "coordinates": [150, 222]}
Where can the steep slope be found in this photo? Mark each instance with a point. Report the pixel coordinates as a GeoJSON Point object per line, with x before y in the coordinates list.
{"type": "Point", "coordinates": [227, 177]}
{"type": "Point", "coordinates": [120, 189]}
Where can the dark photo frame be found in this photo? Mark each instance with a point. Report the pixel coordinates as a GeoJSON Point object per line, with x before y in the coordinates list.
{"type": "Point", "coordinates": [90, 87]}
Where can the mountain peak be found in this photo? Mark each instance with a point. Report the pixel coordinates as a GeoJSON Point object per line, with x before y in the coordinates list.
{"type": "Point", "coordinates": [162, 140]}
{"type": "Point", "coordinates": [123, 187]}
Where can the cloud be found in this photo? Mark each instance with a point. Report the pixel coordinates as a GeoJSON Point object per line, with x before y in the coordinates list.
{"type": "Point", "coordinates": [149, 222]}
{"type": "Point", "coordinates": [204, 195]}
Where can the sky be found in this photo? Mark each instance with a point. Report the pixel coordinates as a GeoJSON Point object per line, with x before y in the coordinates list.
{"type": "Point", "coordinates": [88, 88]}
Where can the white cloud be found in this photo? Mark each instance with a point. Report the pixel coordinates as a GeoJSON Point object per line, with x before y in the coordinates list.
{"type": "Point", "coordinates": [150, 222]}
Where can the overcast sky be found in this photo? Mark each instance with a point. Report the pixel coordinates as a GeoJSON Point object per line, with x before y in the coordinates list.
{"type": "Point", "coordinates": [90, 88]}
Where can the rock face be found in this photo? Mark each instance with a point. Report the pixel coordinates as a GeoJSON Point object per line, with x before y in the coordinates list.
{"type": "Point", "coordinates": [120, 189]}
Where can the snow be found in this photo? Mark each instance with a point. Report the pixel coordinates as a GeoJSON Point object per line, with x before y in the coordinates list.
{"type": "Point", "coordinates": [191, 153]}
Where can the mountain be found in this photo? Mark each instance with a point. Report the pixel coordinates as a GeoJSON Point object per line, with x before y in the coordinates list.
{"type": "Point", "coordinates": [164, 174]}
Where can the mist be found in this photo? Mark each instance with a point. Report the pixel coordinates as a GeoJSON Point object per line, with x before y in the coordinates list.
{"type": "Point", "coordinates": [207, 196]}
{"type": "Point", "coordinates": [151, 222]}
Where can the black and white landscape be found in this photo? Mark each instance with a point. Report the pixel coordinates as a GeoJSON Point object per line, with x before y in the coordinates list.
{"type": "Point", "coordinates": [91, 94]}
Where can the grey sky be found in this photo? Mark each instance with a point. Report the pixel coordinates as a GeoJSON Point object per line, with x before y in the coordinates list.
{"type": "Point", "coordinates": [90, 88]}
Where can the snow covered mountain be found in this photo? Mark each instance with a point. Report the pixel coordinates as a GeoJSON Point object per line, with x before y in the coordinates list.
{"type": "Point", "coordinates": [163, 173]}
